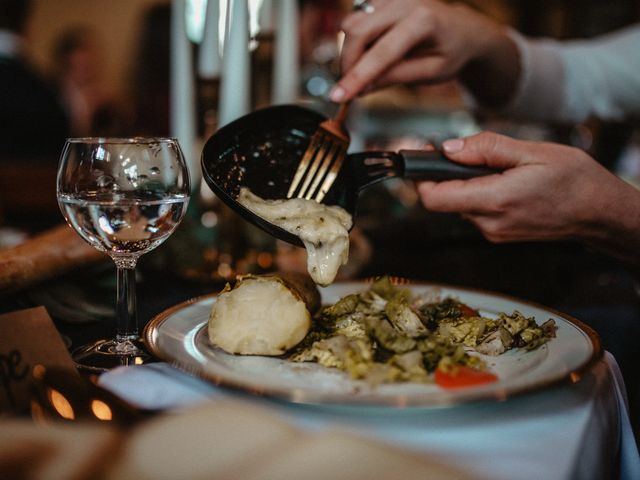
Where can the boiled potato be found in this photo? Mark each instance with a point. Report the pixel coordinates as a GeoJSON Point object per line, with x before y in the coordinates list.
{"type": "Point", "coordinates": [263, 315]}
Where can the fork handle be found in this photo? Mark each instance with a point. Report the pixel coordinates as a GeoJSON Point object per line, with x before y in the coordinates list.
{"type": "Point", "coordinates": [341, 114]}
{"type": "Point", "coordinates": [433, 165]}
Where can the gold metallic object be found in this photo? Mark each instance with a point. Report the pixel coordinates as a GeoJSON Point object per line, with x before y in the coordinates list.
{"type": "Point", "coordinates": [322, 160]}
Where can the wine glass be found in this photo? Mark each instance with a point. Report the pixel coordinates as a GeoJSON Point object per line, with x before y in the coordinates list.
{"type": "Point", "coordinates": [124, 196]}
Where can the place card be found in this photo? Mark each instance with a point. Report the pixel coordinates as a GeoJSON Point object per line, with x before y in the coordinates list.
{"type": "Point", "coordinates": [27, 338]}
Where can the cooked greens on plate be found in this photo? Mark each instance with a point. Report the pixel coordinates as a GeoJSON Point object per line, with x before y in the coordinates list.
{"type": "Point", "coordinates": [387, 334]}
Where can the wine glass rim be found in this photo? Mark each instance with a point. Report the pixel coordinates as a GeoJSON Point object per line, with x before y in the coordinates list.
{"type": "Point", "coordinates": [122, 140]}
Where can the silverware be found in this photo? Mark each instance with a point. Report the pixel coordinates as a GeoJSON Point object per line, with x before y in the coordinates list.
{"type": "Point", "coordinates": [322, 159]}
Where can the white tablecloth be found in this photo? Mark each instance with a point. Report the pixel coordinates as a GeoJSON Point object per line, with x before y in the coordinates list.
{"type": "Point", "coordinates": [578, 431]}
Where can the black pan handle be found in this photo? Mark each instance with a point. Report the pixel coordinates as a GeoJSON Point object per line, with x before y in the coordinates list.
{"type": "Point", "coordinates": [433, 165]}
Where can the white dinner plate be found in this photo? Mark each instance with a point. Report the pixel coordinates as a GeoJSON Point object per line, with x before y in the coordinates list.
{"type": "Point", "coordinates": [179, 336]}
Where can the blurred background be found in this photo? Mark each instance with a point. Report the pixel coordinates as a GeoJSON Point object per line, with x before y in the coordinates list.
{"type": "Point", "coordinates": [105, 69]}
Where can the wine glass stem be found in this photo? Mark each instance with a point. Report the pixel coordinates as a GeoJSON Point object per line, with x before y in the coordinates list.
{"type": "Point", "coordinates": [127, 323]}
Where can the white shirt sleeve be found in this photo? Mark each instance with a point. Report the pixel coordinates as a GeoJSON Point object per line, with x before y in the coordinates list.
{"type": "Point", "coordinates": [573, 80]}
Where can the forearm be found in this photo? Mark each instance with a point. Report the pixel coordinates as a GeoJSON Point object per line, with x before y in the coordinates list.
{"type": "Point", "coordinates": [541, 91]}
{"type": "Point", "coordinates": [566, 81]}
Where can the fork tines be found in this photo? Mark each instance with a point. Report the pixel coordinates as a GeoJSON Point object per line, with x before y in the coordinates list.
{"type": "Point", "coordinates": [319, 166]}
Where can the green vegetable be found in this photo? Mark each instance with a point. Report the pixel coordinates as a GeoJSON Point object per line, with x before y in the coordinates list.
{"type": "Point", "coordinates": [385, 335]}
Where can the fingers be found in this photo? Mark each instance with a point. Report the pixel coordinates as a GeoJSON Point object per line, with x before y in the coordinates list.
{"type": "Point", "coordinates": [390, 48]}
{"type": "Point", "coordinates": [475, 196]}
{"type": "Point", "coordinates": [361, 29]}
{"type": "Point", "coordinates": [373, 43]}
{"type": "Point", "coordinates": [493, 228]}
{"type": "Point", "coordinates": [428, 70]}
{"type": "Point", "coordinates": [482, 195]}
{"type": "Point", "coordinates": [492, 150]}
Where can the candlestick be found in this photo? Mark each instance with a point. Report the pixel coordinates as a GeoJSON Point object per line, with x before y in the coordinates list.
{"type": "Point", "coordinates": [286, 70]}
{"type": "Point", "coordinates": [265, 17]}
{"type": "Point", "coordinates": [183, 91]}
{"type": "Point", "coordinates": [235, 97]}
{"type": "Point", "coordinates": [209, 60]}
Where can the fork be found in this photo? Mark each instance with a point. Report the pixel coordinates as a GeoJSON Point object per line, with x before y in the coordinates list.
{"type": "Point", "coordinates": [322, 159]}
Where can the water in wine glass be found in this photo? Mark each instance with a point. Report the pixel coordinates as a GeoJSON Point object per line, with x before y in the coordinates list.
{"type": "Point", "coordinates": [123, 224]}
{"type": "Point", "coordinates": [124, 196]}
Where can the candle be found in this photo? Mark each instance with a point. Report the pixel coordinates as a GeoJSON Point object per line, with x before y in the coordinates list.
{"type": "Point", "coordinates": [209, 61]}
{"type": "Point", "coordinates": [183, 114]}
{"type": "Point", "coordinates": [265, 17]}
{"type": "Point", "coordinates": [286, 75]}
{"type": "Point", "coordinates": [235, 93]}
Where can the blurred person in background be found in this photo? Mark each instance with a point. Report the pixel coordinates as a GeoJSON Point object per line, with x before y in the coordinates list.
{"type": "Point", "coordinates": [33, 129]}
{"type": "Point", "coordinates": [33, 124]}
{"type": "Point", "coordinates": [89, 105]}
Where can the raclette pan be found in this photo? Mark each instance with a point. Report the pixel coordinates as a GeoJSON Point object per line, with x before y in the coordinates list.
{"type": "Point", "coordinates": [262, 150]}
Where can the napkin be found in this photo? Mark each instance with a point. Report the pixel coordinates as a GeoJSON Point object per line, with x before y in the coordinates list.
{"type": "Point", "coordinates": [222, 439]}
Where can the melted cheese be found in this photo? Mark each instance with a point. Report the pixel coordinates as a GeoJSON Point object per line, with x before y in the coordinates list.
{"type": "Point", "coordinates": [323, 229]}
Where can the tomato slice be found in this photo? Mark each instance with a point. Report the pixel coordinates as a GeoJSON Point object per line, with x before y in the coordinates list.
{"type": "Point", "coordinates": [460, 377]}
{"type": "Point", "coordinates": [467, 311]}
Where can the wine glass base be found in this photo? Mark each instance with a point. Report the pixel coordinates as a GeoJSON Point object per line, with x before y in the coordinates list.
{"type": "Point", "coordinates": [105, 355]}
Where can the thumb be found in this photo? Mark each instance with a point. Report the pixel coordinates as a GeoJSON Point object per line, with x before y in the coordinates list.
{"type": "Point", "coordinates": [490, 149]}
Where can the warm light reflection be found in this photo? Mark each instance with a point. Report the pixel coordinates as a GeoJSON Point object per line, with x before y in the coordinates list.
{"type": "Point", "coordinates": [101, 410]}
{"type": "Point", "coordinates": [265, 260]}
{"type": "Point", "coordinates": [37, 414]}
{"type": "Point", "coordinates": [225, 270]}
{"type": "Point", "coordinates": [61, 404]}
{"type": "Point", "coordinates": [210, 254]}
{"type": "Point", "coordinates": [38, 371]}
{"type": "Point", "coordinates": [138, 361]}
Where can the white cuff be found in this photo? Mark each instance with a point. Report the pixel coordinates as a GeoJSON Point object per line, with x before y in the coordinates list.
{"type": "Point", "coordinates": [540, 93]}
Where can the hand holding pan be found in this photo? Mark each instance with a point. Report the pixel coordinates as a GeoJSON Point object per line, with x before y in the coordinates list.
{"type": "Point", "coordinates": [262, 150]}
